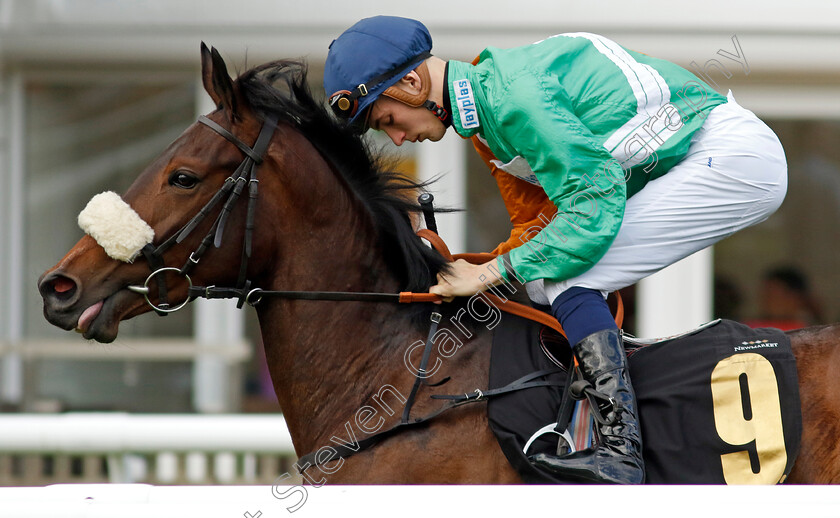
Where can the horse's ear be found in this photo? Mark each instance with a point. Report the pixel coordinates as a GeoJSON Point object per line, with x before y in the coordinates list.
{"type": "Point", "coordinates": [207, 75]}
{"type": "Point", "coordinates": [217, 82]}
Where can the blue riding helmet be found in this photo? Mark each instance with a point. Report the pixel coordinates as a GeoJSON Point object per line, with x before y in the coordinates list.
{"type": "Point", "coordinates": [368, 58]}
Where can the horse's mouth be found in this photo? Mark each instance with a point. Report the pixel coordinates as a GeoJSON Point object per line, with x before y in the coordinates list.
{"type": "Point", "coordinates": [101, 321]}
{"type": "Point", "coordinates": [98, 321]}
{"type": "Point", "coordinates": [88, 316]}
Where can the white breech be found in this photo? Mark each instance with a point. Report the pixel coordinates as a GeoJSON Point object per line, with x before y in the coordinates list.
{"type": "Point", "coordinates": [734, 176]}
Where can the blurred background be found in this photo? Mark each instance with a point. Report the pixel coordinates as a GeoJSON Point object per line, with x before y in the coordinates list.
{"type": "Point", "coordinates": [92, 90]}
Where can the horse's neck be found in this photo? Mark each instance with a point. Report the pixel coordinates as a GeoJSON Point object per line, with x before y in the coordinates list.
{"type": "Point", "coordinates": [327, 357]}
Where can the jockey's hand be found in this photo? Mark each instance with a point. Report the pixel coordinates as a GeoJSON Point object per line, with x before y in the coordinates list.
{"type": "Point", "coordinates": [466, 279]}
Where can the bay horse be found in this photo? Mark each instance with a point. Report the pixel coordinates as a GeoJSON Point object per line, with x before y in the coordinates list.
{"type": "Point", "coordinates": [330, 217]}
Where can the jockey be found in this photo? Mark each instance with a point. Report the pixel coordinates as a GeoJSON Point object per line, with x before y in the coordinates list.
{"type": "Point", "coordinates": [612, 164]}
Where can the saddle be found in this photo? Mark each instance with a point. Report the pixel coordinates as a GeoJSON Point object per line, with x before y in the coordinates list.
{"type": "Point", "coordinates": [718, 404]}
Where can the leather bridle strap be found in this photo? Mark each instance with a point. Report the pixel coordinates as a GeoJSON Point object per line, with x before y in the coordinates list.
{"type": "Point", "coordinates": [156, 265]}
{"type": "Point", "coordinates": [254, 154]}
{"type": "Point", "coordinates": [232, 189]}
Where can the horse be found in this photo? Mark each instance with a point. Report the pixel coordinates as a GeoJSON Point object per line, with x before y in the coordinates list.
{"type": "Point", "coordinates": [331, 216]}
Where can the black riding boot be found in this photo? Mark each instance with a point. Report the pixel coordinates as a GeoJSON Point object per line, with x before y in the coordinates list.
{"type": "Point", "coordinates": [617, 458]}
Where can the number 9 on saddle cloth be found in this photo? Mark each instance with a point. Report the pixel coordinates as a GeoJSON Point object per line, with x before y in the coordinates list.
{"type": "Point", "coordinates": [719, 404]}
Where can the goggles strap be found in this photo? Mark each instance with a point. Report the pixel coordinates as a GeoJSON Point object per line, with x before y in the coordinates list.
{"type": "Point", "coordinates": [363, 88]}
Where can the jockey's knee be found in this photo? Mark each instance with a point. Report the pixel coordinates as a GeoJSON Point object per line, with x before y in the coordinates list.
{"type": "Point", "coordinates": [581, 312]}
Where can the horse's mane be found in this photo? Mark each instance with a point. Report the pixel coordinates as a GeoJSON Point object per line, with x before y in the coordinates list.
{"type": "Point", "coordinates": [280, 88]}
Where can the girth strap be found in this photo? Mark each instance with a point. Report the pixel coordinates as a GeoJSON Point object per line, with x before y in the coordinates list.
{"type": "Point", "coordinates": [525, 382]}
{"type": "Point", "coordinates": [421, 376]}
{"type": "Point", "coordinates": [342, 451]}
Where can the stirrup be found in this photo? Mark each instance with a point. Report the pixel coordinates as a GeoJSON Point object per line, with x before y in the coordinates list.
{"type": "Point", "coordinates": [565, 443]}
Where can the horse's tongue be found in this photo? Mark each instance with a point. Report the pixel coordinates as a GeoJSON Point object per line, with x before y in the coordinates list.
{"type": "Point", "coordinates": [87, 317]}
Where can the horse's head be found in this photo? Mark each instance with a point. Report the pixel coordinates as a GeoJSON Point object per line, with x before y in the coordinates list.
{"type": "Point", "coordinates": [88, 290]}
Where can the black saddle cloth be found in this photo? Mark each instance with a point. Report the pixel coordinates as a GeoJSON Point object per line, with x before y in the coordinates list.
{"type": "Point", "coordinates": [711, 411]}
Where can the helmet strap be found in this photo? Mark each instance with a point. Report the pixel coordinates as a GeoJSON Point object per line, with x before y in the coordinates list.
{"type": "Point", "coordinates": [439, 111]}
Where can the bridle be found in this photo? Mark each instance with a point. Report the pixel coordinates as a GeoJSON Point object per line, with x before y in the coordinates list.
{"type": "Point", "coordinates": [231, 190]}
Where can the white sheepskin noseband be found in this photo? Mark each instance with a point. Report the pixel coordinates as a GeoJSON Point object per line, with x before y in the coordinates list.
{"type": "Point", "coordinates": [112, 222]}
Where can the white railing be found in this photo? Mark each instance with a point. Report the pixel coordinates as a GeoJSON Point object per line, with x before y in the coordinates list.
{"type": "Point", "coordinates": [159, 349]}
{"type": "Point", "coordinates": [39, 449]}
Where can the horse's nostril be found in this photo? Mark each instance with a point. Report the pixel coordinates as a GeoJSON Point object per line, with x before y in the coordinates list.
{"type": "Point", "coordinates": [62, 285]}
{"type": "Point", "coordinates": [57, 287]}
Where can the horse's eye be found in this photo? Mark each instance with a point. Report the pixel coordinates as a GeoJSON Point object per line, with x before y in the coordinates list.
{"type": "Point", "coordinates": [182, 180]}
